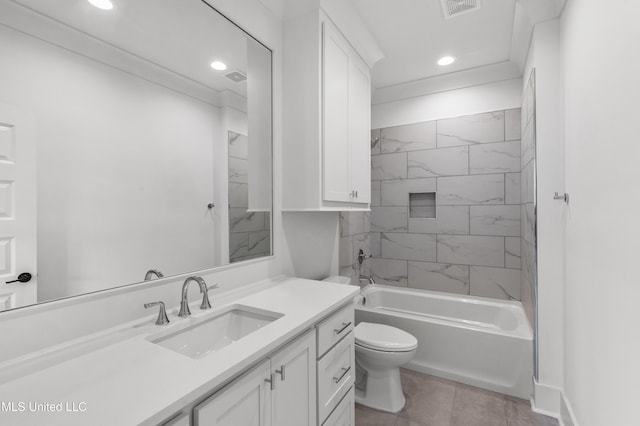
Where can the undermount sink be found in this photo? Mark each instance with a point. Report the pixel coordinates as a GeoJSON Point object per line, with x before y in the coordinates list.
{"type": "Point", "coordinates": [214, 333]}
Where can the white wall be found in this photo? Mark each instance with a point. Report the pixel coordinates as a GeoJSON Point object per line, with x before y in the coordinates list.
{"type": "Point", "coordinates": [506, 94]}
{"type": "Point", "coordinates": [544, 56]}
{"type": "Point", "coordinates": [118, 158]}
{"type": "Point", "coordinates": [602, 293]}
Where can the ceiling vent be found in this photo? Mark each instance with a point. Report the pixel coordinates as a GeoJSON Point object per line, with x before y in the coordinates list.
{"type": "Point", "coordinates": [453, 8]}
{"type": "Point", "coordinates": [236, 76]}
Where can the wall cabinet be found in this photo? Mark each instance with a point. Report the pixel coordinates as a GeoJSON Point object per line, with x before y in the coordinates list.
{"type": "Point", "coordinates": [280, 391]}
{"type": "Point", "coordinates": [327, 118]}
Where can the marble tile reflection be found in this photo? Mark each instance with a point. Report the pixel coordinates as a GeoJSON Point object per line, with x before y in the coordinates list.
{"type": "Point", "coordinates": [238, 195]}
{"type": "Point", "coordinates": [238, 245]}
{"type": "Point", "coordinates": [238, 145]}
{"type": "Point", "coordinates": [242, 221]}
{"type": "Point", "coordinates": [260, 243]}
{"type": "Point", "coordinates": [238, 170]}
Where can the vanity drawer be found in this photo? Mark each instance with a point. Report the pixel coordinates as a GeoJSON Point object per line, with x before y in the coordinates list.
{"type": "Point", "coordinates": [334, 328]}
{"type": "Point", "coordinates": [336, 375]}
{"type": "Point", "coordinates": [345, 412]}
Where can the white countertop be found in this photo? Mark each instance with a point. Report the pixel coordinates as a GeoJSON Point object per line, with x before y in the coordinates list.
{"type": "Point", "coordinates": [121, 378]}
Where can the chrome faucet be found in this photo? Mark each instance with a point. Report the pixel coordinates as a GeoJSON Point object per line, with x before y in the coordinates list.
{"type": "Point", "coordinates": [151, 272]}
{"type": "Point", "coordinates": [184, 302]}
{"type": "Point", "coordinates": [368, 278]}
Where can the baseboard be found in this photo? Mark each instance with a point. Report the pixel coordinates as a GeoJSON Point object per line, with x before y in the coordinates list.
{"type": "Point", "coordinates": [546, 399]}
{"type": "Point", "coordinates": [552, 402]}
{"type": "Point", "coordinates": [567, 416]}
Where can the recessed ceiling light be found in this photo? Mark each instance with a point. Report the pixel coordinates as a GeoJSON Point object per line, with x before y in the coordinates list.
{"type": "Point", "coordinates": [446, 60]}
{"type": "Point", "coordinates": [102, 4]}
{"type": "Point", "coordinates": [219, 66]}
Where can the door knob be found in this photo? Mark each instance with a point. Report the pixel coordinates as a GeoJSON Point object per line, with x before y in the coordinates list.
{"type": "Point", "coordinates": [24, 277]}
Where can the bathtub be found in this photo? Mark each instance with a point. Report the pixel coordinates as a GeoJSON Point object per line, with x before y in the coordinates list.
{"type": "Point", "coordinates": [474, 340]}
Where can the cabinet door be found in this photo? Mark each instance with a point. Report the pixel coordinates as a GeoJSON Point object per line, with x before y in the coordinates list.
{"type": "Point", "coordinates": [360, 130]}
{"type": "Point", "coordinates": [294, 394]}
{"type": "Point", "coordinates": [335, 116]}
{"type": "Point", "coordinates": [245, 402]}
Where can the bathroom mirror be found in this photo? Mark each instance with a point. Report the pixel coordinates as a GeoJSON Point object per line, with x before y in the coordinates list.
{"type": "Point", "coordinates": [115, 149]}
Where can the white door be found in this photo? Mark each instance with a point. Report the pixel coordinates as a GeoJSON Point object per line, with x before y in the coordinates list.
{"type": "Point", "coordinates": [294, 393]}
{"type": "Point", "coordinates": [360, 130]}
{"type": "Point", "coordinates": [335, 116]}
{"type": "Point", "coordinates": [17, 207]}
{"type": "Point", "coordinates": [245, 402]}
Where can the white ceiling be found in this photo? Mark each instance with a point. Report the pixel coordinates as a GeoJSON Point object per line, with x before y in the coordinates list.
{"type": "Point", "coordinates": [413, 34]}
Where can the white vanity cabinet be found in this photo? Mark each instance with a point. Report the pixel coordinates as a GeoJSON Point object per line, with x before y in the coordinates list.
{"type": "Point", "coordinates": [327, 116]}
{"type": "Point", "coordinates": [307, 382]}
{"type": "Point", "coordinates": [280, 391]}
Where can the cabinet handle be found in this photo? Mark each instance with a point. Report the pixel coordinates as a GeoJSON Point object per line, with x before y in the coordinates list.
{"type": "Point", "coordinates": [345, 325]}
{"type": "Point", "coordinates": [344, 373]}
{"type": "Point", "coordinates": [356, 194]}
{"type": "Point", "coordinates": [270, 381]}
{"type": "Point", "coordinates": [281, 372]}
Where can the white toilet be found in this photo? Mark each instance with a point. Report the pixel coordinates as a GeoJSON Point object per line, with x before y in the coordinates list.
{"type": "Point", "coordinates": [380, 351]}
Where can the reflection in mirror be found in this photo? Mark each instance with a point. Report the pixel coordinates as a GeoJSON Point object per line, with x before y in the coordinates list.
{"type": "Point", "coordinates": [114, 132]}
{"type": "Point", "coordinates": [249, 229]}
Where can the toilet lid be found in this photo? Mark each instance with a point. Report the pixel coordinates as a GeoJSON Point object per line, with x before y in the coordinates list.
{"type": "Point", "coordinates": [384, 338]}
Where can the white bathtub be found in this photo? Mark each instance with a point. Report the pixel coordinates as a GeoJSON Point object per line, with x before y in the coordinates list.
{"type": "Point", "coordinates": [474, 340]}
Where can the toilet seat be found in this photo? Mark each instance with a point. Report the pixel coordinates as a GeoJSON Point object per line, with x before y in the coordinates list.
{"type": "Point", "coordinates": [385, 338]}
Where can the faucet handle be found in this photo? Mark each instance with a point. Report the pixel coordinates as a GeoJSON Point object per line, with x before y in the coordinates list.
{"type": "Point", "coordinates": [162, 314]}
{"type": "Point", "coordinates": [205, 296]}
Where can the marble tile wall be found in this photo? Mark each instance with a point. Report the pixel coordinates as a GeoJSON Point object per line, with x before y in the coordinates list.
{"type": "Point", "coordinates": [354, 236]}
{"type": "Point", "coordinates": [527, 194]}
{"type": "Point", "coordinates": [249, 232]}
{"type": "Point", "coordinates": [473, 246]}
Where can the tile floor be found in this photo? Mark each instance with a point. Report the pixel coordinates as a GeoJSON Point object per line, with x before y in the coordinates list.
{"type": "Point", "coordinates": [432, 401]}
